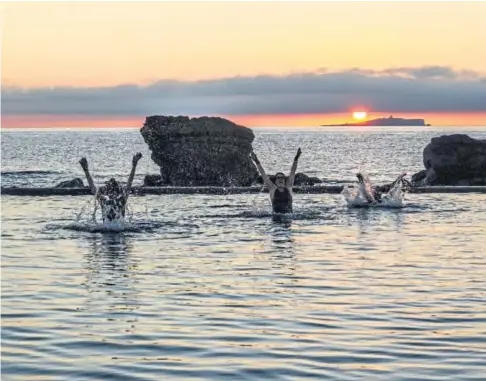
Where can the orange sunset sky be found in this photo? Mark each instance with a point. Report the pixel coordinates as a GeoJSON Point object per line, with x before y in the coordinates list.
{"type": "Point", "coordinates": [258, 63]}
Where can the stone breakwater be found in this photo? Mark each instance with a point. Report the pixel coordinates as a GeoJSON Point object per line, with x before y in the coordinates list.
{"type": "Point", "coordinates": [140, 191]}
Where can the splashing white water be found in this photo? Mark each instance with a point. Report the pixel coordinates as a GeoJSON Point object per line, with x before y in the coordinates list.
{"type": "Point", "coordinates": [88, 219]}
{"type": "Point", "coordinates": [354, 195]}
{"type": "Point", "coordinates": [261, 204]}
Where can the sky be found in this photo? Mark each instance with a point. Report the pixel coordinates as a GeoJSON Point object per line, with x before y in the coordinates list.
{"type": "Point", "coordinates": [256, 63]}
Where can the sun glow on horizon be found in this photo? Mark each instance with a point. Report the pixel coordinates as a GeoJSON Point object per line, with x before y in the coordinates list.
{"type": "Point", "coordinates": [454, 119]}
{"type": "Point", "coordinates": [360, 115]}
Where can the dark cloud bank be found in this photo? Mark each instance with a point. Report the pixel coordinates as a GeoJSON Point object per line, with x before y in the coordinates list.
{"type": "Point", "coordinates": [425, 89]}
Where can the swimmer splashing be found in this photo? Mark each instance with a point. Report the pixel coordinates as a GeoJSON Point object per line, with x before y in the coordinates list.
{"type": "Point", "coordinates": [281, 191]}
{"type": "Point", "coordinates": [374, 194]}
{"type": "Point", "coordinates": [112, 197]}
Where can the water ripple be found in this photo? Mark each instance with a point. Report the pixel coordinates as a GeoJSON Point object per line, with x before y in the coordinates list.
{"type": "Point", "coordinates": [213, 288]}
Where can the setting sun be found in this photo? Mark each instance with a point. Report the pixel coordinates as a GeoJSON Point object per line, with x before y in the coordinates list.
{"type": "Point", "coordinates": [359, 115]}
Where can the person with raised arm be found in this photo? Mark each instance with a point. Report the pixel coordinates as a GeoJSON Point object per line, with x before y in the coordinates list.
{"type": "Point", "coordinates": [112, 197]}
{"type": "Point", "coordinates": [280, 191]}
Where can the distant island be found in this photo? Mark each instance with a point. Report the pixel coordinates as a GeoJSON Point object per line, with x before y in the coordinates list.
{"type": "Point", "coordinates": [390, 121]}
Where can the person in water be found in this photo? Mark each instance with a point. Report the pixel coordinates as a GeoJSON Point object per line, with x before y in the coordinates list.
{"type": "Point", "coordinates": [281, 190]}
{"type": "Point", "coordinates": [373, 194]}
{"type": "Point", "coordinates": [112, 197]}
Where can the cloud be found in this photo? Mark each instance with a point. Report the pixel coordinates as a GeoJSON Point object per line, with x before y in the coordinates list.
{"type": "Point", "coordinates": [423, 89]}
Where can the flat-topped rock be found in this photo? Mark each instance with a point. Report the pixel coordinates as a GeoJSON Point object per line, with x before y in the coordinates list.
{"type": "Point", "coordinates": [205, 151]}
{"type": "Point", "coordinates": [175, 126]}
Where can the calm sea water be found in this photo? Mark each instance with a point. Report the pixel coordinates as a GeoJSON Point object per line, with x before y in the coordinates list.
{"type": "Point", "coordinates": [212, 288]}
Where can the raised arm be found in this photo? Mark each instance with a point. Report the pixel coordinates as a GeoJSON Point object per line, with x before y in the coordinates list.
{"type": "Point", "coordinates": [400, 178]}
{"type": "Point", "coordinates": [293, 170]}
{"type": "Point", "coordinates": [269, 184]}
{"type": "Point", "coordinates": [369, 197]}
{"type": "Point", "coordinates": [84, 165]}
{"type": "Point", "coordinates": [135, 160]}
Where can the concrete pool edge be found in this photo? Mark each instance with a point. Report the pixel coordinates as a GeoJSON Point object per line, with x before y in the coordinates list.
{"type": "Point", "coordinates": [314, 189]}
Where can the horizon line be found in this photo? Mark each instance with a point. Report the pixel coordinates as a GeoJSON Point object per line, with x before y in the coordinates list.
{"type": "Point", "coordinates": [258, 126]}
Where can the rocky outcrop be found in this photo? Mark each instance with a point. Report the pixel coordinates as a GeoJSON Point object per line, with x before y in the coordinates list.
{"type": "Point", "coordinates": [300, 179]}
{"type": "Point", "coordinates": [153, 181]}
{"type": "Point", "coordinates": [453, 160]}
{"type": "Point", "coordinates": [74, 183]}
{"type": "Point", "coordinates": [205, 151]}
{"type": "Point", "coordinates": [419, 177]}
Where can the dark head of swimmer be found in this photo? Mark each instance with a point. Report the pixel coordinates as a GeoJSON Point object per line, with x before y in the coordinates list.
{"type": "Point", "coordinates": [360, 177]}
{"type": "Point", "coordinates": [280, 180]}
{"type": "Point", "coordinates": [112, 188]}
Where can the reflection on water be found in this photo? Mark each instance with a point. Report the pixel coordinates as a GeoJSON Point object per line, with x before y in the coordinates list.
{"type": "Point", "coordinates": [282, 219]}
{"type": "Point", "coordinates": [113, 244]}
{"type": "Point", "coordinates": [367, 219]}
{"type": "Point", "coordinates": [283, 256]}
{"type": "Point", "coordinates": [216, 288]}
{"type": "Point", "coordinates": [241, 295]}
{"type": "Point", "coordinates": [111, 277]}
{"type": "Point", "coordinates": [282, 237]}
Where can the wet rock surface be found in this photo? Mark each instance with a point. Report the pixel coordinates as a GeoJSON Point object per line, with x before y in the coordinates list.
{"type": "Point", "coordinates": [205, 151]}
{"type": "Point", "coordinates": [453, 160]}
{"type": "Point", "coordinates": [74, 183]}
{"type": "Point", "coordinates": [300, 179]}
{"type": "Point", "coordinates": [153, 181]}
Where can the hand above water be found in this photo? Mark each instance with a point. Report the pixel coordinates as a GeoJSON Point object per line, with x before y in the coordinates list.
{"type": "Point", "coordinates": [84, 163]}
{"type": "Point", "coordinates": [136, 158]}
{"type": "Point", "coordinates": [299, 152]}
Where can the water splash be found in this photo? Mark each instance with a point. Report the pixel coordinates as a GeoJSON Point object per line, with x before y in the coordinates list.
{"type": "Point", "coordinates": [261, 204]}
{"type": "Point", "coordinates": [88, 219]}
{"type": "Point", "coordinates": [354, 195]}
{"type": "Point", "coordinates": [111, 227]}
{"type": "Point", "coordinates": [87, 214]}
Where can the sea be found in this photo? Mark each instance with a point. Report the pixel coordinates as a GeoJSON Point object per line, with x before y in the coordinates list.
{"type": "Point", "coordinates": [212, 287]}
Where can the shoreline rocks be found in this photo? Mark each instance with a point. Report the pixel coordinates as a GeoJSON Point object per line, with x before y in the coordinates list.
{"type": "Point", "coordinates": [74, 183]}
{"type": "Point", "coordinates": [453, 160]}
{"type": "Point", "coordinates": [205, 151]}
{"type": "Point", "coordinates": [300, 179]}
{"type": "Point", "coordinates": [153, 181]}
